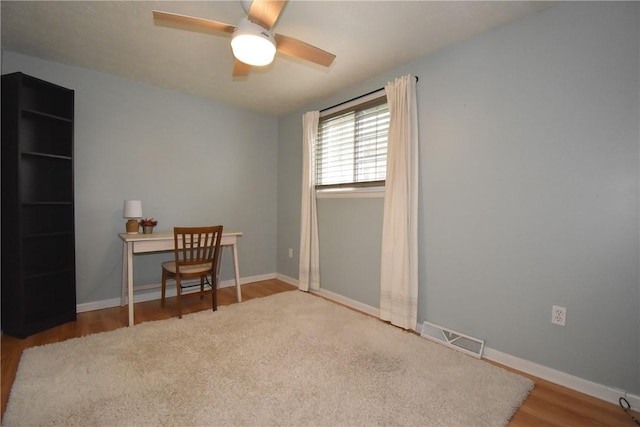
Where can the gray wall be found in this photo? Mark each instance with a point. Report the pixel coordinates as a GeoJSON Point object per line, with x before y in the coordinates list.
{"type": "Point", "coordinates": [189, 160]}
{"type": "Point", "coordinates": [529, 192]}
{"type": "Point", "coordinates": [350, 258]}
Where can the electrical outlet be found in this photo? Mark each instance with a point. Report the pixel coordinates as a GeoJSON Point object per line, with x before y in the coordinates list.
{"type": "Point", "coordinates": [290, 253]}
{"type": "Point", "coordinates": [558, 315]}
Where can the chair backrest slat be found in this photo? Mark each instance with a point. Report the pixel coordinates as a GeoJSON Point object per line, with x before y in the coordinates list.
{"type": "Point", "coordinates": [197, 245]}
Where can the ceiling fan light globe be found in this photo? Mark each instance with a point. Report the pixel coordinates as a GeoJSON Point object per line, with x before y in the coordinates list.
{"type": "Point", "coordinates": [253, 44]}
{"type": "Point", "coordinates": [253, 50]}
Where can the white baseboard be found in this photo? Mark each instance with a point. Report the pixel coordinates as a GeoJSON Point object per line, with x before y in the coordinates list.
{"type": "Point", "coordinates": [150, 295]}
{"type": "Point", "coordinates": [606, 393]}
{"type": "Point", "coordinates": [287, 279]}
{"type": "Point", "coordinates": [634, 401]}
{"type": "Point", "coordinates": [373, 311]}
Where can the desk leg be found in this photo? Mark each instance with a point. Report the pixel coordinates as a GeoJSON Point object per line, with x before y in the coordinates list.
{"type": "Point", "coordinates": [130, 281]}
{"type": "Point", "coordinates": [236, 271]}
{"type": "Point", "coordinates": [123, 283]}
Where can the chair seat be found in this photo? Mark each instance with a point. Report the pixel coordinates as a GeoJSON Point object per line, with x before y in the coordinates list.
{"type": "Point", "coordinates": [170, 266]}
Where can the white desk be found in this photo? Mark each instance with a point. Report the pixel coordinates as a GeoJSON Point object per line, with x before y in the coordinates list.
{"type": "Point", "coordinates": [160, 242]}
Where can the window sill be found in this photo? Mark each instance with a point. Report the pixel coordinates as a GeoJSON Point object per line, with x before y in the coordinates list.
{"type": "Point", "coordinates": [351, 193]}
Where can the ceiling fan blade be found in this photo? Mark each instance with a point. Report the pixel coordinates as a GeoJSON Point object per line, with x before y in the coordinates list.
{"type": "Point", "coordinates": [192, 21]}
{"type": "Point", "coordinates": [240, 69]}
{"type": "Point", "coordinates": [299, 49]}
{"type": "Point", "coordinates": [266, 12]}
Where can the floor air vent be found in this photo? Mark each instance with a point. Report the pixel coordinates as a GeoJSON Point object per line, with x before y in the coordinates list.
{"type": "Point", "coordinates": [456, 340]}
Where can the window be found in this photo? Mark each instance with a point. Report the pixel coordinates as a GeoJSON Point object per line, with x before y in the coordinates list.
{"type": "Point", "coordinates": [351, 148]}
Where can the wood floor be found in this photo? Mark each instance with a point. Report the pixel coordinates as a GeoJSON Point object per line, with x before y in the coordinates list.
{"type": "Point", "coordinates": [547, 405]}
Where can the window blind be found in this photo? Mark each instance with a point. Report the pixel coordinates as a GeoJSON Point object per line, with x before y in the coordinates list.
{"type": "Point", "coordinates": [351, 148]}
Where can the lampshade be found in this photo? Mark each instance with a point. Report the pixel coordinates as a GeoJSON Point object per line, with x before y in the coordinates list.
{"type": "Point", "coordinates": [253, 44]}
{"type": "Point", "coordinates": [132, 209]}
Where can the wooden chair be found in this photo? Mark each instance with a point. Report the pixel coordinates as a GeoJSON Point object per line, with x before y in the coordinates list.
{"type": "Point", "coordinates": [197, 254]}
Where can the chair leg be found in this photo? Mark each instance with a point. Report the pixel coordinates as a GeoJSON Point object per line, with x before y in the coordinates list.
{"type": "Point", "coordinates": [214, 293]}
{"type": "Point", "coordinates": [164, 287]}
{"type": "Point", "coordinates": [179, 296]}
{"type": "Point", "coordinates": [201, 287]}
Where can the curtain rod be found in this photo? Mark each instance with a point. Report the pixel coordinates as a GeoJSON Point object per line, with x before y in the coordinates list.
{"type": "Point", "coordinates": [358, 97]}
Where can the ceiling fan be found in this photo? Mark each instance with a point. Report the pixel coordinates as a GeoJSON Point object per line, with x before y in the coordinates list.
{"type": "Point", "coordinates": [252, 42]}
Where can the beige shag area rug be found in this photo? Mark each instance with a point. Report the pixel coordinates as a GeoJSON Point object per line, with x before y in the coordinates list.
{"type": "Point", "coordinates": [290, 359]}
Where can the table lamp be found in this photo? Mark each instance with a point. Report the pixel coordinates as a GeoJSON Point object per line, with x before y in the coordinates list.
{"type": "Point", "coordinates": [132, 211]}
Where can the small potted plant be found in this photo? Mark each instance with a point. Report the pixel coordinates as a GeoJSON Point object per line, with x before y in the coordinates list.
{"type": "Point", "coordinates": [147, 225]}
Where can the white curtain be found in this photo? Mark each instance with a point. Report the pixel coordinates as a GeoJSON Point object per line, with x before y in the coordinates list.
{"type": "Point", "coordinates": [309, 268]}
{"type": "Point", "coordinates": [399, 268]}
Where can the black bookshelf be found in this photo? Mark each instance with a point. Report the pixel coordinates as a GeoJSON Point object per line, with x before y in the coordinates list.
{"type": "Point", "coordinates": [38, 249]}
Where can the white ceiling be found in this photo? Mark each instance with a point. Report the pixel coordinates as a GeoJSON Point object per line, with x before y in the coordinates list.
{"type": "Point", "coordinates": [368, 38]}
